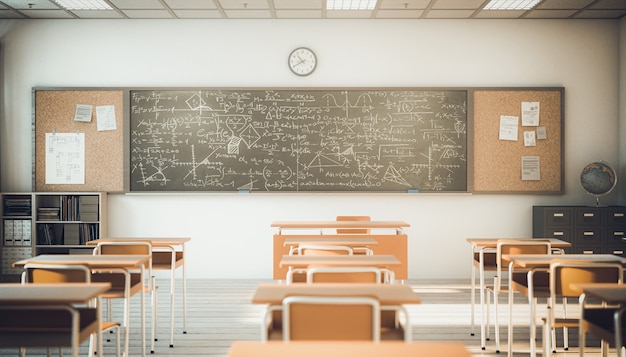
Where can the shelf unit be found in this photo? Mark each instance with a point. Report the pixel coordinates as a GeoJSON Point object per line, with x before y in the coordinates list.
{"type": "Point", "coordinates": [49, 223]}
{"type": "Point", "coordinates": [591, 230]}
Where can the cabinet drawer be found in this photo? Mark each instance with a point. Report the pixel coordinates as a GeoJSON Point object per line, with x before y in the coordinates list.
{"type": "Point", "coordinates": [562, 233]}
{"type": "Point", "coordinates": [558, 216]}
{"type": "Point", "coordinates": [587, 249]}
{"type": "Point", "coordinates": [587, 216]}
{"type": "Point", "coordinates": [616, 216]}
{"type": "Point", "coordinates": [588, 235]}
{"type": "Point", "coordinates": [615, 236]}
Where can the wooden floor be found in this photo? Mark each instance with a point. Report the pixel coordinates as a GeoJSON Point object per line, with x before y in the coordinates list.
{"type": "Point", "coordinates": [219, 312]}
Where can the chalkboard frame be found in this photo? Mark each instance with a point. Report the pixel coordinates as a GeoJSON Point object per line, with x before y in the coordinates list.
{"type": "Point", "coordinates": [122, 167]}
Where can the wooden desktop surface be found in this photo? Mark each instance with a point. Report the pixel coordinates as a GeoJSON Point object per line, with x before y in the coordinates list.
{"type": "Point", "coordinates": [50, 294]}
{"type": "Point", "coordinates": [350, 240]}
{"type": "Point", "coordinates": [607, 292]}
{"type": "Point", "coordinates": [347, 348]}
{"type": "Point", "coordinates": [156, 241]}
{"type": "Point", "coordinates": [387, 294]}
{"type": "Point", "coordinates": [91, 261]}
{"type": "Point", "coordinates": [339, 224]}
{"type": "Point", "coordinates": [303, 261]}
{"type": "Point", "coordinates": [535, 261]}
{"type": "Point", "coordinates": [493, 242]}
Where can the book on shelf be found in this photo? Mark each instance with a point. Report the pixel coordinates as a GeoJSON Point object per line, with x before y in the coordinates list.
{"type": "Point", "coordinates": [45, 235]}
{"type": "Point", "coordinates": [48, 213]}
{"type": "Point", "coordinates": [17, 206]}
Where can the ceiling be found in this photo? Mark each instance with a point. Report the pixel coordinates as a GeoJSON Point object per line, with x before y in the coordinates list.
{"type": "Point", "coordinates": [311, 9]}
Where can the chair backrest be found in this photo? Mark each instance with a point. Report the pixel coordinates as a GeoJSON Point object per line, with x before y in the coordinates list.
{"type": "Point", "coordinates": [331, 318]}
{"type": "Point", "coordinates": [309, 249]}
{"type": "Point", "coordinates": [123, 248]}
{"type": "Point", "coordinates": [564, 273]}
{"type": "Point", "coordinates": [353, 230]}
{"type": "Point", "coordinates": [509, 247]}
{"type": "Point", "coordinates": [52, 274]}
{"type": "Point", "coordinates": [345, 275]}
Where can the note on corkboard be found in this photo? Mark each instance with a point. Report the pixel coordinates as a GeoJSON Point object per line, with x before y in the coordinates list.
{"type": "Point", "coordinates": [55, 112]}
{"type": "Point", "coordinates": [497, 162]}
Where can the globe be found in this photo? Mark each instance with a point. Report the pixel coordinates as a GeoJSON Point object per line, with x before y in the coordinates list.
{"type": "Point", "coordinates": [598, 179]}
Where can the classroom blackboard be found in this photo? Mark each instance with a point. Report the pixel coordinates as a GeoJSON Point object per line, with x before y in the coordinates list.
{"type": "Point", "coordinates": [289, 140]}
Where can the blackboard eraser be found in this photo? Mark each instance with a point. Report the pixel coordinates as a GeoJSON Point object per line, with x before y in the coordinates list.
{"type": "Point", "coordinates": [413, 190]}
{"type": "Point", "coordinates": [244, 191]}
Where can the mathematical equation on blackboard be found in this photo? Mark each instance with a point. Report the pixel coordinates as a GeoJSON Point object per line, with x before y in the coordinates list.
{"type": "Point", "coordinates": [298, 140]}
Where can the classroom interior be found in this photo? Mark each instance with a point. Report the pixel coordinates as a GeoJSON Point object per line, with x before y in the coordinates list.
{"type": "Point", "coordinates": [231, 246]}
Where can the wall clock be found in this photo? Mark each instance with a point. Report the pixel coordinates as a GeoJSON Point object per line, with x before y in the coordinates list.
{"type": "Point", "coordinates": [302, 61]}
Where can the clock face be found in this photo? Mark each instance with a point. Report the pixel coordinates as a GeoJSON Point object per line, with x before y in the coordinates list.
{"type": "Point", "coordinates": [302, 61]}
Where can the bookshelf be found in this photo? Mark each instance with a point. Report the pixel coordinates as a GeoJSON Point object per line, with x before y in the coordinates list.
{"type": "Point", "coordinates": [49, 223]}
{"type": "Point", "coordinates": [17, 232]}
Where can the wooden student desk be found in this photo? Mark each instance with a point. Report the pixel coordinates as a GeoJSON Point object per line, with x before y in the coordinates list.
{"type": "Point", "coordinates": [103, 262]}
{"type": "Point", "coordinates": [531, 263]}
{"type": "Point", "coordinates": [166, 255]}
{"type": "Point", "coordinates": [613, 295]}
{"type": "Point", "coordinates": [347, 348]}
{"type": "Point", "coordinates": [389, 236]}
{"type": "Point", "coordinates": [46, 298]}
{"type": "Point", "coordinates": [483, 252]}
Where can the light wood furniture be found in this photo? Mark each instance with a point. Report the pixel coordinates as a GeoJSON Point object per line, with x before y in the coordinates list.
{"type": "Point", "coordinates": [563, 274]}
{"type": "Point", "coordinates": [43, 303]}
{"type": "Point", "coordinates": [342, 349]}
{"type": "Point", "coordinates": [606, 323]}
{"type": "Point", "coordinates": [168, 253]}
{"type": "Point", "coordinates": [389, 235]}
{"type": "Point", "coordinates": [60, 274]}
{"type": "Point", "coordinates": [483, 253]}
{"type": "Point", "coordinates": [532, 264]}
{"type": "Point", "coordinates": [102, 262]}
{"type": "Point", "coordinates": [353, 230]}
{"type": "Point", "coordinates": [390, 296]}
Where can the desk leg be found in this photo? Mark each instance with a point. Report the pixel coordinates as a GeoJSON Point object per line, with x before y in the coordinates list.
{"type": "Point", "coordinates": [481, 258]}
{"type": "Point", "coordinates": [184, 291]}
{"type": "Point", "coordinates": [172, 292]}
{"type": "Point", "coordinates": [531, 300]}
{"type": "Point", "coordinates": [143, 312]}
{"type": "Point", "coordinates": [472, 294]}
{"type": "Point", "coordinates": [510, 331]}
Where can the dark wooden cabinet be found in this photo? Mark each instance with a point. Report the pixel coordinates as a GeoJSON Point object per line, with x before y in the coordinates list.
{"type": "Point", "coordinates": [591, 230]}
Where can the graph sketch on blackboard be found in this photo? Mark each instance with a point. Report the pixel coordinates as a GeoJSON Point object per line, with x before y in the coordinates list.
{"type": "Point", "coordinates": [298, 140]}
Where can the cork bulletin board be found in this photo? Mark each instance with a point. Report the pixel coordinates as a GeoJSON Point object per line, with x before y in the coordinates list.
{"type": "Point", "coordinates": [498, 163]}
{"type": "Point", "coordinates": [104, 150]}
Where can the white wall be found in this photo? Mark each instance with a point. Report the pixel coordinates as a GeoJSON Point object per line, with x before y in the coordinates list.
{"type": "Point", "coordinates": [231, 232]}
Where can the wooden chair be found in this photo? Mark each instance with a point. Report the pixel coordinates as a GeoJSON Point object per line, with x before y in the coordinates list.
{"type": "Point", "coordinates": [299, 274]}
{"type": "Point", "coordinates": [509, 247]}
{"type": "Point", "coordinates": [51, 274]}
{"type": "Point", "coordinates": [327, 318]}
{"type": "Point", "coordinates": [125, 284]}
{"type": "Point", "coordinates": [363, 274]}
{"type": "Point", "coordinates": [563, 274]}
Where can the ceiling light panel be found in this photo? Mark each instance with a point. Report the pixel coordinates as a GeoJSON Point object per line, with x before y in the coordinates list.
{"type": "Point", "coordinates": [511, 4]}
{"type": "Point", "coordinates": [350, 4]}
{"type": "Point", "coordinates": [83, 4]}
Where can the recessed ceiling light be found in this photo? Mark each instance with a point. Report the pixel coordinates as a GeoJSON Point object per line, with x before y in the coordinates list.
{"type": "Point", "coordinates": [83, 4]}
{"type": "Point", "coordinates": [350, 4]}
{"type": "Point", "coordinates": [511, 4]}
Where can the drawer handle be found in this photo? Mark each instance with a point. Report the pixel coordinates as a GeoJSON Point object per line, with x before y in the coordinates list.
{"type": "Point", "coordinates": [558, 214]}
{"type": "Point", "coordinates": [621, 234]}
{"type": "Point", "coordinates": [618, 214]}
{"type": "Point", "coordinates": [558, 234]}
{"type": "Point", "coordinates": [588, 214]}
{"type": "Point", "coordinates": [588, 233]}
{"type": "Point", "coordinates": [618, 252]}
{"type": "Point", "coordinates": [587, 251]}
